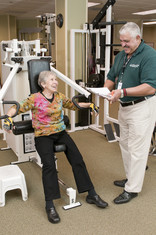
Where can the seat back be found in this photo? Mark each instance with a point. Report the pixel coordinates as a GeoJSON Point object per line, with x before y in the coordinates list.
{"type": "Point", "coordinates": [34, 68]}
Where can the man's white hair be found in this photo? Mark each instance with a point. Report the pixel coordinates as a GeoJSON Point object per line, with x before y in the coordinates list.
{"type": "Point", "coordinates": [131, 28]}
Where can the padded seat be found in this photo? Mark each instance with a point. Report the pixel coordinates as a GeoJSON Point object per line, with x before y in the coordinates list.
{"type": "Point", "coordinates": [59, 148]}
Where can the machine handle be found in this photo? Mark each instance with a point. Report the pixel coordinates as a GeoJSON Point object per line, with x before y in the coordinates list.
{"type": "Point", "coordinates": [11, 102]}
{"type": "Point", "coordinates": [74, 101]}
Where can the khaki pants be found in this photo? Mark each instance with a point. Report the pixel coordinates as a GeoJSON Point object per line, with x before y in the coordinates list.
{"type": "Point", "coordinates": [136, 127]}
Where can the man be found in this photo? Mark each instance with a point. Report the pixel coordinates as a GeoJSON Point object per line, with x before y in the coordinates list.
{"type": "Point", "coordinates": [132, 79]}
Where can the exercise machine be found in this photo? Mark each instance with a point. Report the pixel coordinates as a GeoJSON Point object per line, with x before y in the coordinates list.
{"type": "Point", "coordinates": [106, 32]}
{"type": "Point", "coordinates": [103, 45]}
{"type": "Point", "coordinates": [16, 87]}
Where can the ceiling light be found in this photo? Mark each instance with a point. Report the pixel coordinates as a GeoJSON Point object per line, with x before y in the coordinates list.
{"type": "Point", "coordinates": [145, 12]}
{"type": "Point", "coordinates": [46, 15]}
{"type": "Point", "coordinates": [92, 4]}
{"type": "Point", "coordinates": [149, 23]}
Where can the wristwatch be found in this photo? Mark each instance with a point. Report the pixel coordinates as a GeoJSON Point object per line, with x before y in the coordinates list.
{"type": "Point", "coordinates": [122, 93]}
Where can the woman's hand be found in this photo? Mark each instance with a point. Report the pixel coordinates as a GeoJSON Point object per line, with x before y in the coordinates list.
{"type": "Point", "coordinates": [8, 124]}
{"type": "Point", "coordinates": [94, 108]}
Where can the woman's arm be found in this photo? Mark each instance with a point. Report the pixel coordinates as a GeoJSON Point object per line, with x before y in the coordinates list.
{"type": "Point", "coordinates": [91, 106]}
{"type": "Point", "coordinates": [84, 105]}
{"type": "Point", "coordinates": [67, 103]}
{"type": "Point", "coordinates": [25, 106]}
{"type": "Point", "coordinates": [11, 112]}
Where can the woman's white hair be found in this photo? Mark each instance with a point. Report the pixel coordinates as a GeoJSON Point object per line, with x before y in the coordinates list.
{"type": "Point", "coordinates": [131, 28]}
{"type": "Point", "coordinates": [43, 76]}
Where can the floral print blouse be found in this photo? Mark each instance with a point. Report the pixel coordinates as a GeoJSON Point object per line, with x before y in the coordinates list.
{"type": "Point", "coordinates": [47, 117]}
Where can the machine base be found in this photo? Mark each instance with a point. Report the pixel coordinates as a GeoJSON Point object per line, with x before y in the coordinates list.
{"type": "Point", "coordinates": [73, 205]}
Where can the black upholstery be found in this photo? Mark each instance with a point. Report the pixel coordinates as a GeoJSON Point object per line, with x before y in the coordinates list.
{"type": "Point", "coordinates": [34, 68]}
{"type": "Point", "coordinates": [59, 148]}
{"type": "Point", "coordinates": [23, 127]}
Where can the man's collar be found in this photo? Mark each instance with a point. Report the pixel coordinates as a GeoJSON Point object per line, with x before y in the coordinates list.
{"type": "Point", "coordinates": [140, 48]}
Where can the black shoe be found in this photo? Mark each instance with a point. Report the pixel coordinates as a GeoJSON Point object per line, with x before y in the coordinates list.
{"type": "Point", "coordinates": [120, 183]}
{"type": "Point", "coordinates": [53, 216]}
{"type": "Point", "coordinates": [125, 197]}
{"type": "Point", "coordinates": [97, 201]}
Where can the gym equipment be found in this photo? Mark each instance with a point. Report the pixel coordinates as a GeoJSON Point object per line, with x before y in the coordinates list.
{"type": "Point", "coordinates": [15, 55]}
{"type": "Point", "coordinates": [153, 143]}
{"type": "Point", "coordinates": [15, 86]}
{"type": "Point", "coordinates": [35, 66]}
{"type": "Point", "coordinates": [102, 66]}
{"type": "Point", "coordinates": [102, 13]}
{"type": "Point", "coordinates": [47, 20]}
{"type": "Point", "coordinates": [95, 80]}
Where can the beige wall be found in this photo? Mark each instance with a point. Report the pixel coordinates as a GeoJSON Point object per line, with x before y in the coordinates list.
{"type": "Point", "coordinates": [8, 30]}
{"type": "Point", "coordinates": [75, 15]}
{"type": "Point", "coordinates": [149, 35]}
{"type": "Point", "coordinates": [61, 42]}
{"type": "Point", "coordinates": [26, 24]}
{"type": "Point", "coordinates": [7, 27]}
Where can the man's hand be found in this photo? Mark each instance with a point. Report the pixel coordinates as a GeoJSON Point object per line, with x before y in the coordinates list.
{"type": "Point", "coordinates": [94, 108]}
{"type": "Point", "coordinates": [114, 96]}
{"type": "Point", "coordinates": [8, 124]}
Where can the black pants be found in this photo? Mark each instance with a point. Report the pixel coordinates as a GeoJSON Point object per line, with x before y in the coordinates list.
{"type": "Point", "coordinates": [45, 149]}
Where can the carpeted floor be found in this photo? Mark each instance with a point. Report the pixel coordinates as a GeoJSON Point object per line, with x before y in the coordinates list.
{"type": "Point", "coordinates": [104, 164]}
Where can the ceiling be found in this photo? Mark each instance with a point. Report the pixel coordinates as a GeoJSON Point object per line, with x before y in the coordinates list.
{"type": "Point", "coordinates": [122, 9]}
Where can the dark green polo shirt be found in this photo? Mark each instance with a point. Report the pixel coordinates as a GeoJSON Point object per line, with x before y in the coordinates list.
{"type": "Point", "coordinates": [140, 69]}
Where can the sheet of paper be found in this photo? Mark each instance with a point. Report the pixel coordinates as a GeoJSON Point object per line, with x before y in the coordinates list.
{"type": "Point", "coordinates": [101, 91]}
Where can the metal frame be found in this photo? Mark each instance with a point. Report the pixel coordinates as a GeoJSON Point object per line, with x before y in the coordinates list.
{"type": "Point", "coordinates": [13, 52]}
{"type": "Point", "coordinates": [107, 32]}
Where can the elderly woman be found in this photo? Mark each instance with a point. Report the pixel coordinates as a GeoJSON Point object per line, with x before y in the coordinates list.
{"type": "Point", "coordinates": [49, 128]}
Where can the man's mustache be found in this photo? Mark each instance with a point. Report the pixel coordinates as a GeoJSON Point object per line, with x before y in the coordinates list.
{"type": "Point", "coordinates": [125, 47]}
